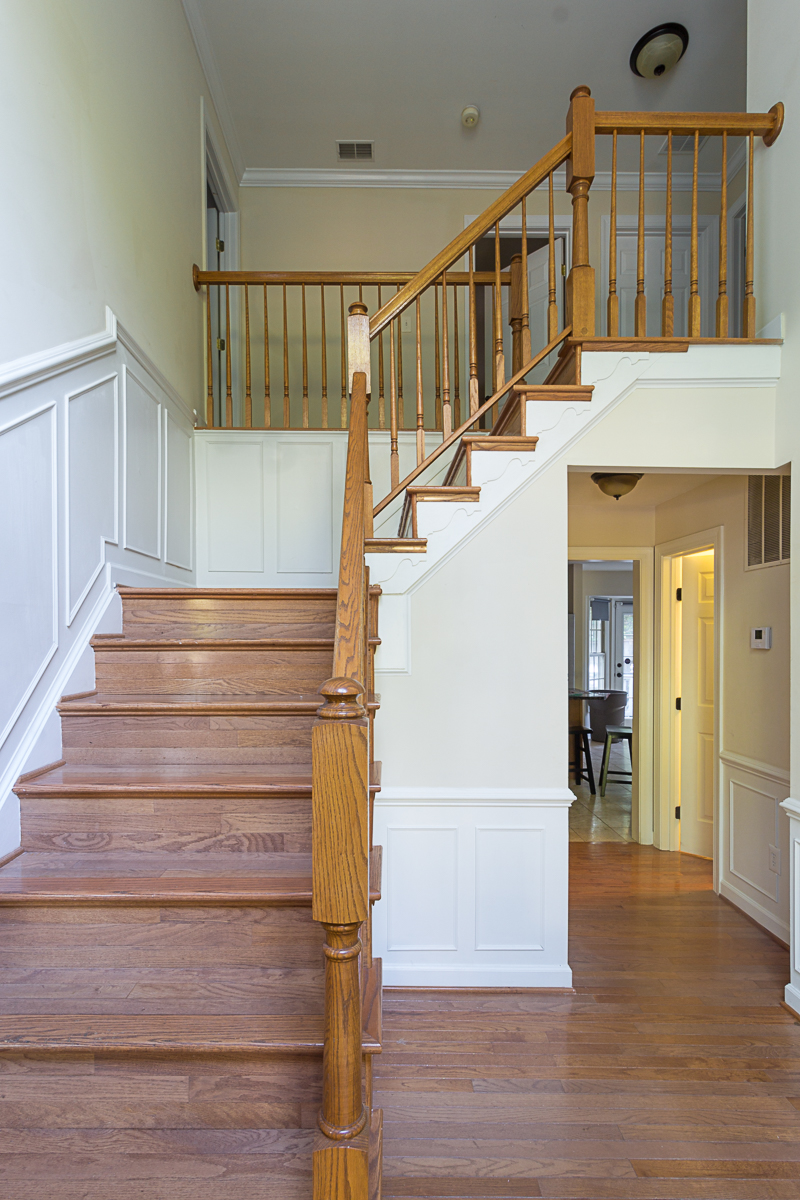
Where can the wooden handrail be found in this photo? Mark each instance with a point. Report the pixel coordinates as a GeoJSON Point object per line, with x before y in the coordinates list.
{"type": "Point", "coordinates": [462, 243]}
{"type": "Point", "coordinates": [487, 404]}
{"type": "Point", "coordinates": [708, 124]}
{"type": "Point", "coordinates": [363, 278]}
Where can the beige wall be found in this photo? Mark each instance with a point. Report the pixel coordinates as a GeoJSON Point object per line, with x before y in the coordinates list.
{"type": "Point", "coordinates": [102, 178]}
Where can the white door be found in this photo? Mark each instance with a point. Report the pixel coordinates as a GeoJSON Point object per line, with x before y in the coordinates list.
{"type": "Point", "coordinates": [622, 652]}
{"type": "Point", "coordinates": [696, 719]}
{"type": "Point", "coordinates": [653, 281]}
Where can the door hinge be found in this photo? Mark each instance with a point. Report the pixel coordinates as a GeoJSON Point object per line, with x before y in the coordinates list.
{"type": "Point", "coordinates": [677, 812]}
{"type": "Point", "coordinates": [678, 703]}
{"type": "Point", "coordinates": [220, 343]}
{"type": "Point", "coordinates": [563, 268]}
{"type": "Point", "coordinates": [679, 593]}
{"type": "Point", "coordinates": [220, 246]}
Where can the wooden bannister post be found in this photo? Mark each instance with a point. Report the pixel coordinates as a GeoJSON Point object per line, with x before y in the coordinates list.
{"type": "Point", "coordinates": [580, 173]}
{"type": "Point", "coordinates": [515, 313]}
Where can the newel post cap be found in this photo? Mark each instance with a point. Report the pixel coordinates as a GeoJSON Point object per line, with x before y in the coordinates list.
{"type": "Point", "coordinates": [341, 699]}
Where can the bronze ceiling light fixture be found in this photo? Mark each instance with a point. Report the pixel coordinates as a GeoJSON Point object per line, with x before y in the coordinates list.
{"type": "Point", "coordinates": [659, 50]}
{"type": "Point", "coordinates": [615, 485]}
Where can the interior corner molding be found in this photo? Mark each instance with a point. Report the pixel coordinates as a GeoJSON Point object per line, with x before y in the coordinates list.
{"type": "Point", "coordinates": [369, 177]}
{"type": "Point", "coordinates": [755, 767]}
{"type": "Point", "coordinates": [34, 368]}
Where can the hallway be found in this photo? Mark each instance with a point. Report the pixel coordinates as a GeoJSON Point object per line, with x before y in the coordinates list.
{"type": "Point", "coordinates": [672, 1072]}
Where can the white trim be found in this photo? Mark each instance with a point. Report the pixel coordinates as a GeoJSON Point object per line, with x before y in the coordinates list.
{"type": "Point", "coordinates": [371, 177]}
{"type": "Point", "coordinates": [467, 797]}
{"type": "Point", "coordinates": [791, 807]}
{"type": "Point", "coordinates": [791, 997]}
{"type": "Point", "coordinates": [205, 53]}
{"type": "Point", "coordinates": [439, 975]}
{"type": "Point", "coordinates": [754, 767]}
{"type": "Point", "coordinates": [762, 916]}
{"type": "Point", "coordinates": [34, 368]}
{"type": "Point", "coordinates": [126, 545]}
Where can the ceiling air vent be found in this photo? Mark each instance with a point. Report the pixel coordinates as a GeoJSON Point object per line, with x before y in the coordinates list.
{"type": "Point", "coordinates": [355, 151]}
{"type": "Point", "coordinates": [768, 519]}
{"type": "Point", "coordinates": [683, 144]}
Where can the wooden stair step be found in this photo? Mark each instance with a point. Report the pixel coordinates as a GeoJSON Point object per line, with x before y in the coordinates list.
{"type": "Point", "coordinates": [156, 704]}
{"type": "Point", "coordinates": [555, 391]}
{"type": "Point", "coordinates": [224, 612]}
{"type": "Point", "coordinates": [395, 545]}
{"type": "Point", "coordinates": [191, 1034]}
{"type": "Point", "coordinates": [451, 494]}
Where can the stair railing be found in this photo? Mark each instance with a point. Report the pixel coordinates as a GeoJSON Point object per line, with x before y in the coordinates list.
{"type": "Point", "coordinates": [340, 819]}
{"type": "Point", "coordinates": [581, 302]}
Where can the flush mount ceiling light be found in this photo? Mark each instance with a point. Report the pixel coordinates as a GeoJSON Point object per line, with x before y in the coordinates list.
{"type": "Point", "coordinates": [470, 116]}
{"type": "Point", "coordinates": [659, 50]}
{"type": "Point", "coordinates": [615, 485]}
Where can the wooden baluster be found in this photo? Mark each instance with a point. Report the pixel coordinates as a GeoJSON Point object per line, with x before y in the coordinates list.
{"type": "Point", "coordinates": [394, 457]}
{"type": "Point", "coordinates": [668, 303]}
{"type": "Point", "coordinates": [456, 363]}
{"type": "Point", "coordinates": [515, 313]}
{"type": "Point", "coordinates": [640, 307]}
{"type": "Point", "coordinates": [749, 310]}
{"type": "Point", "coordinates": [381, 396]}
{"type": "Point", "coordinates": [447, 412]}
{"type": "Point", "coordinates": [324, 395]}
{"type": "Point", "coordinates": [248, 399]}
{"type": "Point", "coordinates": [286, 412]}
{"type": "Point", "coordinates": [437, 364]}
{"type": "Point", "coordinates": [552, 307]}
{"type": "Point", "coordinates": [694, 291]}
{"type": "Point", "coordinates": [210, 388]}
{"type": "Point", "coordinates": [580, 173]}
{"type": "Point", "coordinates": [499, 357]}
{"type": "Point", "coordinates": [343, 331]}
{"type": "Point", "coordinates": [526, 315]}
{"type": "Point", "coordinates": [722, 298]}
{"type": "Point", "coordinates": [305, 359]}
{"type": "Point", "coordinates": [474, 389]}
{"type": "Point", "coordinates": [612, 307]}
{"type": "Point", "coordinates": [228, 394]}
{"type": "Point", "coordinates": [491, 415]}
{"type": "Point", "coordinates": [401, 418]}
{"type": "Point", "coordinates": [267, 401]}
{"type": "Point", "coordinates": [420, 403]}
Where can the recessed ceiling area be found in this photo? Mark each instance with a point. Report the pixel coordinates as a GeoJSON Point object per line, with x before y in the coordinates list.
{"type": "Point", "coordinates": [290, 78]}
{"type": "Point", "coordinates": [651, 490]}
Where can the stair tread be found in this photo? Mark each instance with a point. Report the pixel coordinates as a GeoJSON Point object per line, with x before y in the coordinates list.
{"type": "Point", "coordinates": [186, 1033]}
{"type": "Point", "coordinates": [395, 545]}
{"type": "Point", "coordinates": [246, 780]}
{"type": "Point", "coordinates": [103, 642]}
{"type": "Point", "coordinates": [142, 703]}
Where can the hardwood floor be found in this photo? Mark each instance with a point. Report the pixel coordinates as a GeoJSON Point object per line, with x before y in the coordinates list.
{"type": "Point", "coordinates": [671, 1072]}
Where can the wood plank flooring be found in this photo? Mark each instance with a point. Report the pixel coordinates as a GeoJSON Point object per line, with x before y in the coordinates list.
{"type": "Point", "coordinates": [671, 1072]}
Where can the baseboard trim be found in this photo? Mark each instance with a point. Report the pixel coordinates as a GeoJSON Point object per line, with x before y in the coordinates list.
{"type": "Point", "coordinates": [761, 916]}
{"type": "Point", "coordinates": [791, 1000]}
{"type": "Point", "coordinates": [475, 975]}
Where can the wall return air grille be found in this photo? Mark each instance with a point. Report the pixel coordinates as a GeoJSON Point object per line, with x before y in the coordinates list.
{"type": "Point", "coordinates": [355, 151]}
{"type": "Point", "coordinates": [768, 519]}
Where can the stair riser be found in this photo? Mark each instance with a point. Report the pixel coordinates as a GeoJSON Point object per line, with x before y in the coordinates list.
{"type": "Point", "coordinates": [188, 826]}
{"type": "Point", "coordinates": [61, 951]}
{"type": "Point", "coordinates": [210, 739]}
{"type": "Point", "coordinates": [228, 618]}
{"type": "Point", "coordinates": [215, 672]}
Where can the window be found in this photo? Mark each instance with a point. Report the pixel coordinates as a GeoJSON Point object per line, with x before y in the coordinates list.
{"type": "Point", "coordinates": [598, 636]}
{"type": "Point", "coordinates": [768, 519]}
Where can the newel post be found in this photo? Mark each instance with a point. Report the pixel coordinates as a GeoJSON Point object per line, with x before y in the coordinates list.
{"type": "Point", "coordinates": [580, 173]}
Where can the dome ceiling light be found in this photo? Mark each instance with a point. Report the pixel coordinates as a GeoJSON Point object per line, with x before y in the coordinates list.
{"type": "Point", "coordinates": [470, 116]}
{"type": "Point", "coordinates": [659, 50]}
{"type": "Point", "coordinates": [615, 485]}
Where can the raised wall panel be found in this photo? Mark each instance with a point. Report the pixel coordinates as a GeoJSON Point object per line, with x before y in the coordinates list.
{"type": "Point", "coordinates": [305, 507]}
{"type": "Point", "coordinates": [235, 506]}
{"type": "Point", "coordinates": [705, 784]}
{"type": "Point", "coordinates": [28, 599]}
{"type": "Point", "coordinates": [753, 816]}
{"type": "Point", "coordinates": [142, 468]}
{"type": "Point", "coordinates": [91, 485]}
{"type": "Point", "coordinates": [178, 458]}
{"type": "Point", "coordinates": [422, 888]}
{"type": "Point", "coordinates": [509, 889]}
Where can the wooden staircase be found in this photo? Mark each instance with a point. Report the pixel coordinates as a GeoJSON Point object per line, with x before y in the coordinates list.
{"type": "Point", "coordinates": [163, 990]}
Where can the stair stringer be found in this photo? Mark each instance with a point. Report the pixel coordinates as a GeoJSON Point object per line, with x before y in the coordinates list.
{"type": "Point", "coordinates": [502, 477]}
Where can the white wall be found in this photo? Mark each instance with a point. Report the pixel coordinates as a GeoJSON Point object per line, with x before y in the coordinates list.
{"type": "Point", "coordinates": [95, 476]}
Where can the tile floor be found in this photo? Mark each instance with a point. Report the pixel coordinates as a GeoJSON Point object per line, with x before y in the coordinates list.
{"type": "Point", "coordinates": [606, 818]}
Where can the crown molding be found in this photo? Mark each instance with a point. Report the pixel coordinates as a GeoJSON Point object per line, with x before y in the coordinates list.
{"type": "Point", "coordinates": [208, 62]}
{"type": "Point", "coordinates": [496, 181]}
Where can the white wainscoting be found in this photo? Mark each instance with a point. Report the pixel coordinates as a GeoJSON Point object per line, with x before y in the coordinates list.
{"type": "Point", "coordinates": [95, 489]}
{"type": "Point", "coordinates": [792, 993]}
{"type": "Point", "coordinates": [475, 887]}
{"type": "Point", "coordinates": [752, 826]}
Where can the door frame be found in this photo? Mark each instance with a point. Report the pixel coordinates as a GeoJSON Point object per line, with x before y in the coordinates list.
{"type": "Point", "coordinates": [666, 829]}
{"type": "Point", "coordinates": [642, 799]}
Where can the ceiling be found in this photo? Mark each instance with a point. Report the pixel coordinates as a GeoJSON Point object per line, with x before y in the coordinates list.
{"type": "Point", "coordinates": [651, 490]}
{"type": "Point", "coordinates": [290, 77]}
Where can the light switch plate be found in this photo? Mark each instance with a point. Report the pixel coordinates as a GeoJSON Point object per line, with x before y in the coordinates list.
{"type": "Point", "coordinates": [775, 860]}
{"type": "Point", "coordinates": [761, 638]}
